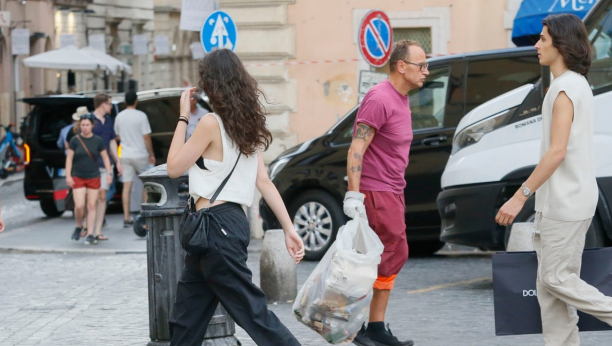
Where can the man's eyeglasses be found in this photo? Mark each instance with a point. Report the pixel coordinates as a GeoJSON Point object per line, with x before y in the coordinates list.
{"type": "Point", "coordinates": [423, 66]}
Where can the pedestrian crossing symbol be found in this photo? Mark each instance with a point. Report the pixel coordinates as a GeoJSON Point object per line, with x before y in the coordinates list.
{"type": "Point", "coordinates": [219, 31]}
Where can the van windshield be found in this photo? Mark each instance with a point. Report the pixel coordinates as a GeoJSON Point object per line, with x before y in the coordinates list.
{"type": "Point", "coordinates": [600, 73]}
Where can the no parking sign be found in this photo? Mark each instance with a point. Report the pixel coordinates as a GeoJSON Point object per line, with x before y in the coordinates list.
{"type": "Point", "coordinates": [375, 38]}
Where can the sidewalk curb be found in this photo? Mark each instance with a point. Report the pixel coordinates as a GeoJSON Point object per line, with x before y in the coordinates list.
{"type": "Point", "coordinates": [13, 178]}
{"type": "Point", "coordinates": [33, 250]}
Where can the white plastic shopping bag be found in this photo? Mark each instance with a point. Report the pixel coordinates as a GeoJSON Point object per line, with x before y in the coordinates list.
{"type": "Point", "coordinates": [335, 300]}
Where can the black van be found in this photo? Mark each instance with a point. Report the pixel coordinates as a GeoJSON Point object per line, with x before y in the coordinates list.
{"type": "Point", "coordinates": [45, 177]}
{"type": "Point", "coordinates": [311, 177]}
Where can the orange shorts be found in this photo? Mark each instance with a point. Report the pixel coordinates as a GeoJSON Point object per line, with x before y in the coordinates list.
{"type": "Point", "coordinates": [90, 183]}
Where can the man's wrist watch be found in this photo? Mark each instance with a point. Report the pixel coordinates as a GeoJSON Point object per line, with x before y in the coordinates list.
{"type": "Point", "coordinates": [526, 191]}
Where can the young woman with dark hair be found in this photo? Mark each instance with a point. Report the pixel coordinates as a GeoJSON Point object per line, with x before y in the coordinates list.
{"type": "Point", "coordinates": [235, 134]}
{"type": "Point", "coordinates": [83, 175]}
{"type": "Point", "coordinates": [564, 179]}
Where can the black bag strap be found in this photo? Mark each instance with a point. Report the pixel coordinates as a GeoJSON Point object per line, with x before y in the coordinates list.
{"type": "Point", "coordinates": [84, 146]}
{"type": "Point", "coordinates": [216, 194]}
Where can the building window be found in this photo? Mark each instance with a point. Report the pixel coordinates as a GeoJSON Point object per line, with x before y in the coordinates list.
{"type": "Point", "coordinates": [421, 35]}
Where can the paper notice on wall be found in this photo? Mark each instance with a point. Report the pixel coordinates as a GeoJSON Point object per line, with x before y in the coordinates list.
{"type": "Point", "coordinates": [67, 40]}
{"type": "Point", "coordinates": [139, 45]}
{"type": "Point", "coordinates": [20, 39]}
{"type": "Point", "coordinates": [194, 12]}
{"type": "Point", "coordinates": [97, 42]}
{"type": "Point", "coordinates": [162, 45]}
{"type": "Point", "coordinates": [368, 79]}
{"type": "Point", "coordinates": [197, 52]}
{"type": "Point", "coordinates": [5, 18]}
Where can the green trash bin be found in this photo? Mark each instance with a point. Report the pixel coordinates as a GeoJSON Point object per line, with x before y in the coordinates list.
{"type": "Point", "coordinates": [166, 200]}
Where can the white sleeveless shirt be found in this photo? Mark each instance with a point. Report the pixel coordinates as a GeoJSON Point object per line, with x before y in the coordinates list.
{"type": "Point", "coordinates": [240, 188]}
{"type": "Point", "coordinates": [571, 193]}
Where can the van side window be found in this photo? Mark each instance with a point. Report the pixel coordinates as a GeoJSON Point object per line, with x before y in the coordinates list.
{"type": "Point", "coordinates": [52, 120]}
{"type": "Point", "coordinates": [488, 79]}
{"type": "Point", "coordinates": [429, 102]}
{"type": "Point", "coordinates": [600, 73]}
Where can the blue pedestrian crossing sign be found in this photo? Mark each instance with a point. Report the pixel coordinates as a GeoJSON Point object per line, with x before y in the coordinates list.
{"type": "Point", "coordinates": [219, 31]}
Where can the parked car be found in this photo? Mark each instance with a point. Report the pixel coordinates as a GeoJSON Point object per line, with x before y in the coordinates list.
{"type": "Point", "coordinates": [497, 146]}
{"type": "Point", "coordinates": [311, 177]}
{"type": "Point", "coordinates": [45, 175]}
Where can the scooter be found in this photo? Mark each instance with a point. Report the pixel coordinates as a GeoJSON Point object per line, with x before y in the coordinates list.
{"type": "Point", "coordinates": [11, 154]}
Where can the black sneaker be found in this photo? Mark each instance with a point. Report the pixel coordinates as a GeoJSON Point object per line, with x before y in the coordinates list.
{"type": "Point", "coordinates": [362, 339]}
{"type": "Point", "coordinates": [386, 338]}
{"type": "Point", "coordinates": [77, 233]}
{"type": "Point", "coordinates": [91, 240]}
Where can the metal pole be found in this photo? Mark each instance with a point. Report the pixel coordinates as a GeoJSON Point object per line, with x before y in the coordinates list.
{"type": "Point", "coordinates": [16, 87]}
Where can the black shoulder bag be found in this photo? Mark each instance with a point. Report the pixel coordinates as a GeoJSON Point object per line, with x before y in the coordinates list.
{"type": "Point", "coordinates": [194, 226]}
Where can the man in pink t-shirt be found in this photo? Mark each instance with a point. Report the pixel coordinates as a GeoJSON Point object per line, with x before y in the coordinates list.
{"type": "Point", "coordinates": [377, 160]}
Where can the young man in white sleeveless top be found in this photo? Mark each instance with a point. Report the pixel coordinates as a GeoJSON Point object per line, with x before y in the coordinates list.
{"type": "Point", "coordinates": [565, 182]}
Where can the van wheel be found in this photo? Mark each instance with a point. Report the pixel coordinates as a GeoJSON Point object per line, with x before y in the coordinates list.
{"type": "Point", "coordinates": [527, 214]}
{"type": "Point", "coordinates": [316, 216]}
{"type": "Point", "coordinates": [48, 207]}
{"type": "Point", "coordinates": [596, 236]}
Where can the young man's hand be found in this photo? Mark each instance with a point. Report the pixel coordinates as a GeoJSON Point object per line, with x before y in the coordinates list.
{"type": "Point", "coordinates": [508, 212]}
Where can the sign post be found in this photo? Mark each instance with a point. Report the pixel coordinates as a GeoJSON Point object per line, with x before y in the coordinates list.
{"type": "Point", "coordinates": [219, 31]}
{"type": "Point", "coordinates": [375, 38]}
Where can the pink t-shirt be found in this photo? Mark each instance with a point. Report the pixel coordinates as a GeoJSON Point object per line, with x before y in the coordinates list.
{"type": "Point", "coordinates": [386, 159]}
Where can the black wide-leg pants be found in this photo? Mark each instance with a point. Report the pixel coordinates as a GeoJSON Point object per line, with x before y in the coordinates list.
{"type": "Point", "coordinates": [221, 275]}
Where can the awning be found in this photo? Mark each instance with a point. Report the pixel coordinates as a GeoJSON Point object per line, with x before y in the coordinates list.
{"type": "Point", "coordinates": [75, 59]}
{"type": "Point", "coordinates": [528, 20]}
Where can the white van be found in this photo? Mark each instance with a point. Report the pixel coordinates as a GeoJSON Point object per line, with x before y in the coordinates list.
{"type": "Point", "coordinates": [497, 145]}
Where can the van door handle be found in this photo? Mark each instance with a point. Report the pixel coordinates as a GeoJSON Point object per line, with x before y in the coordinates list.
{"type": "Point", "coordinates": [434, 141]}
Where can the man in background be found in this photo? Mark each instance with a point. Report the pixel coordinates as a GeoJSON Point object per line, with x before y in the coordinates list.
{"type": "Point", "coordinates": [197, 112]}
{"type": "Point", "coordinates": [67, 132]}
{"type": "Point", "coordinates": [104, 128]}
{"type": "Point", "coordinates": [134, 131]}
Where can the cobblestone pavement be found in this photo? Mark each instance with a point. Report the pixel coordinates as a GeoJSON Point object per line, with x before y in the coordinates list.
{"type": "Point", "coordinates": [72, 299]}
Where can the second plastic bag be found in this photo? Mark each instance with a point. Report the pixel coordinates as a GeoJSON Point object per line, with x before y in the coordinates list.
{"type": "Point", "coordinates": [335, 300]}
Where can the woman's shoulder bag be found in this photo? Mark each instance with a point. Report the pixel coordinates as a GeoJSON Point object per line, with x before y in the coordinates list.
{"type": "Point", "coordinates": [194, 225]}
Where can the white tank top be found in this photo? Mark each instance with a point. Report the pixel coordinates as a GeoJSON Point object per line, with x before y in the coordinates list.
{"type": "Point", "coordinates": [571, 193]}
{"type": "Point", "coordinates": [240, 188]}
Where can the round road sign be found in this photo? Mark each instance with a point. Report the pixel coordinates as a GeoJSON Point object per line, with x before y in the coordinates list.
{"type": "Point", "coordinates": [375, 38]}
{"type": "Point", "coordinates": [218, 31]}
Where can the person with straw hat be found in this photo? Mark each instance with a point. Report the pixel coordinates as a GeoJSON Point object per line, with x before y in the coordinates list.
{"type": "Point", "coordinates": [67, 132]}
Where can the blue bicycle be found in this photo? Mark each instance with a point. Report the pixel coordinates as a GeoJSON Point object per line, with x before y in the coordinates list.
{"type": "Point", "coordinates": [11, 154]}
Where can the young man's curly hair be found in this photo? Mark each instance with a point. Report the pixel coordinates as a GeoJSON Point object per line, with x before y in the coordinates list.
{"type": "Point", "coordinates": [569, 36]}
{"type": "Point", "coordinates": [234, 95]}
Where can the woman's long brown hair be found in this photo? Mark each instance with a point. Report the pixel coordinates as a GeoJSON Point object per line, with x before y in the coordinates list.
{"type": "Point", "coordinates": [234, 95]}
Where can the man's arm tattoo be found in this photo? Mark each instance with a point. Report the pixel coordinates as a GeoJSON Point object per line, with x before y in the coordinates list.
{"type": "Point", "coordinates": [364, 132]}
{"type": "Point", "coordinates": [356, 169]}
{"type": "Point", "coordinates": [357, 156]}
